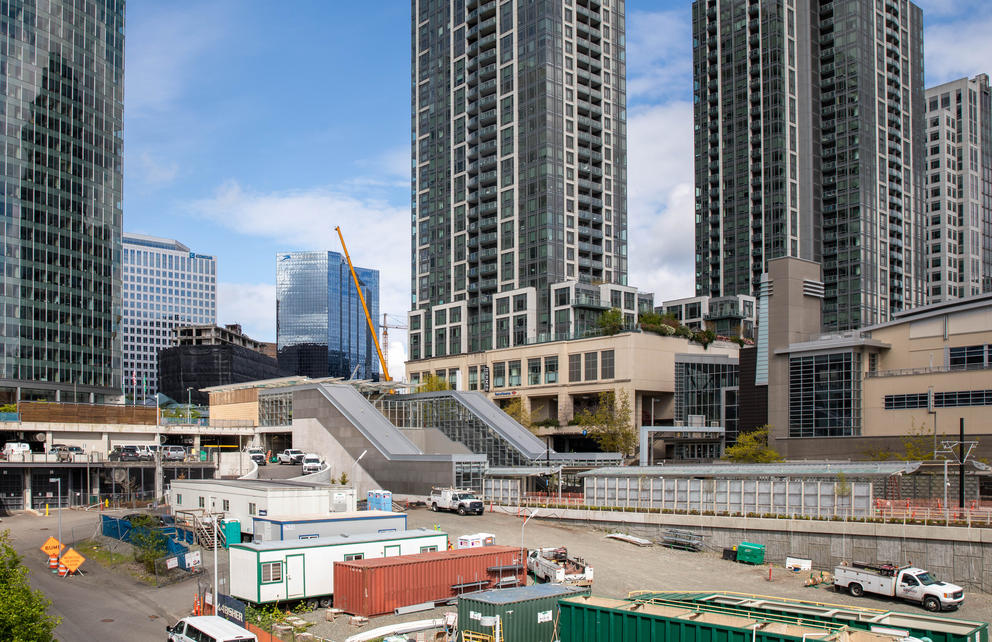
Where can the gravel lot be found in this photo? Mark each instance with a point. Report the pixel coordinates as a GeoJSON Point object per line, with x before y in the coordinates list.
{"type": "Point", "coordinates": [621, 568]}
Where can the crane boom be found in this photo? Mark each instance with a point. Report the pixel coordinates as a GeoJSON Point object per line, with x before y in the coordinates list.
{"type": "Point", "coordinates": [375, 338]}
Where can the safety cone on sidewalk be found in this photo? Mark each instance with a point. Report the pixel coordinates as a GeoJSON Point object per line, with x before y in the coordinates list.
{"type": "Point", "coordinates": [53, 563]}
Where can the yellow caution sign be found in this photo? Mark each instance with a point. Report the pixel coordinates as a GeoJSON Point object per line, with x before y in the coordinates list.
{"type": "Point", "coordinates": [51, 547]}
{"type": "Point", "coordinates": [72, 560]}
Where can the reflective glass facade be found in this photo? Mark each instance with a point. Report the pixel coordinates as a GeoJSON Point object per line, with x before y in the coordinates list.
{"type": "Point", "coordinates": [320, 325]}
{"type": "Point", "coordinates": [165, 286]}
{"type": "Point", "coordinates": [825, 395]}
{"type": "Point", "coordinates": [708, 387]}
{"type": "Point", "coordinates": [520, 163]}
{"type": "Point", "coordinates": [62, 74]}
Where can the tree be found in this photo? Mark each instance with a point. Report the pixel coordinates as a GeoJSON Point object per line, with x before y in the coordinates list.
{"type": "Point", "coordinates": [433, 383]}
{"type": "Point", "coordinates": [519, 414]}
{"type": "Point", "coordinates": [752, 448]}
{"type": "Point", "coordinates": [611, 321]}
{"type": "Point", "coordinates": [917, 444]}
{"type": "Point", "coordinates": [148, 542]}
{"type": "Point", "coordinates": [609, 423]}
{"type": "Point", "coordinates": [23, 611]}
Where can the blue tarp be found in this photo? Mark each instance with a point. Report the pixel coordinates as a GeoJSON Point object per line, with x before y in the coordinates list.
{"type": "Point", "coordinates": [121, 529]}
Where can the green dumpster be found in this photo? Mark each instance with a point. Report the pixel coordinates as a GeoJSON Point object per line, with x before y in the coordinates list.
{"type": "Point", "coordinates": [749, 553]}
{"type": "Point", "coordinates": [203, 455]}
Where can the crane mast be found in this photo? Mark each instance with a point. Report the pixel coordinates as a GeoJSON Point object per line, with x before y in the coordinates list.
{"type": "Point", "coordinates": [368, 317]}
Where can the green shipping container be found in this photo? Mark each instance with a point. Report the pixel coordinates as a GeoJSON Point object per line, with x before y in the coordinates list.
{"type": "Point", "coordinates": [232, 532]}
{"type": "Point", "coordinates": [751, 553]}
{"type": "Point", "coordinates": [525, 613]}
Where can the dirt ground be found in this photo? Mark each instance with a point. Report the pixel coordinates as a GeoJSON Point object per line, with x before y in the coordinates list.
{"type": "Point", "coordinates": [620, 568]}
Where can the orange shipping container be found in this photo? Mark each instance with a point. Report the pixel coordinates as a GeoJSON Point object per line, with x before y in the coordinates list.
{"type": "Point", "coordinates": [377, 586]}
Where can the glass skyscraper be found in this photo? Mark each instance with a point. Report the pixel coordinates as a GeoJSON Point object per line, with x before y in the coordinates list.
{"type": "Point", "coordinates": [165, 286]}
{"type": "Point", "coordinates": [321, 329]}
{"type": "Point", "coordinates": [808, 121]}
{"type": "Point", "coordinates": [62, 76]}
{"type": "Point", "coordinates": [520, 167]}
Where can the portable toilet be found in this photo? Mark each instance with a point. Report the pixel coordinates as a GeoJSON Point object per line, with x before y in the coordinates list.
{"type": "Point", "coordinates": [370, 501]}
{"type": "Point", "coordinates": [232, 531]}
{"type": "Point", "coordinates": [386, 503]}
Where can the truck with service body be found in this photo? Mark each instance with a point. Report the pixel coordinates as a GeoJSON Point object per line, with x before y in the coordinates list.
{"type": "Point", "coordinates": [554, 565]}
{"type": "Point", "coordinates": [291, 456]}
{"type": "Point", "coordinates": [458, 500]}
{"type": "Point", "coordinates": [904, 582]}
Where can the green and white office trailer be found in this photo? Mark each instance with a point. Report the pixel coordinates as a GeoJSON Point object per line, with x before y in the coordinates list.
{"type": "Point", "coordinates": [292, 570]}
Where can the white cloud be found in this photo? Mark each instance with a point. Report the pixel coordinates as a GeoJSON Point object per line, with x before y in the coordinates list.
{"type": "Point", "coordinates": [377, 234]}
{"type": "Point", "coordinates": [153, 171]}
{"type": "Point", "coordinates": [253, 305]}
{"type": "Point", "coordinates": [659, 54]}
{"type": "Point", "coordinates": [661, 202]}
{"type": "Point", "coordinates": [957, 48]}
{"type": "Point", "coordinates": [162, 51]}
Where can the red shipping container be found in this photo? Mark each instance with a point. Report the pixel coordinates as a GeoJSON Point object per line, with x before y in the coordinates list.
{"type": "Point", "coordinates": [377, 586]}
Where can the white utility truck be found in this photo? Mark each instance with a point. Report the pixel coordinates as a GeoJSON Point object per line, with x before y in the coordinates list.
{"type": "Point", "coordinates": [904, 582]}
{"type": "Point", "coordinates": [455, 499]}
{"type": "Point", "coordinates": [555, 566]}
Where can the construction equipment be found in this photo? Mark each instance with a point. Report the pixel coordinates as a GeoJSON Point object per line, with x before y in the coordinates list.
{"type": "Point", "coordinates": [386, 325]}
{"type": "Point", "coordinates": [368, 317]}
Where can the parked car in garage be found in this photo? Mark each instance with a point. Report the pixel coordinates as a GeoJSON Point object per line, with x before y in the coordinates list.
{"type": "Point", "coordinates": [173, 453]}
{"type": "Point", "coordinates": [124, 453]}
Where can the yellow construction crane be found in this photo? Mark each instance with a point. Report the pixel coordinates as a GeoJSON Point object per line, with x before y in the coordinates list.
{"type": "Point", "coordinates": [395, 324]}
{"type": "Point", "coordinates": [368, 317]}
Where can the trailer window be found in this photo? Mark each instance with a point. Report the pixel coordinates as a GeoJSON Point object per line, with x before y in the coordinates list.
{"type": "Point", "coordinates": [350, 557]}
{"type": "Point", "coordinates": [179, 499]}
{"type": "Point", "coordinates": [271, 572]}
{"type": "Point", "coordinates": [428, 549]}
{"type": "Point", "coordinates": [202, 503]}
{"type": "Point", "coordinates": [251, 509]}
{"type": "Point", "coordinates": [227, 505]}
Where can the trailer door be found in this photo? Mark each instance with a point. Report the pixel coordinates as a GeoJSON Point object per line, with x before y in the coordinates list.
{"type": "Point", "coordinates": [295, 576]}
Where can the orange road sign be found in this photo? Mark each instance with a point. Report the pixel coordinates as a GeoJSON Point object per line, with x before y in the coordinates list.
{"type": "Point", "coordinates": [72, 560]}
{"type": "Point", "coordinates": [51, 547]}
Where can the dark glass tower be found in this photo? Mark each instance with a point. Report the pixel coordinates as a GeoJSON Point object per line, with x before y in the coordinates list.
{"type": "Point", "coordinates": [809, 143]}
{"type": "Point", "coordinates": [520, 164]}
{"type": "Point", "coordinates": [321, 329]}
{"type": "Point", "coordinates": [62, 76]}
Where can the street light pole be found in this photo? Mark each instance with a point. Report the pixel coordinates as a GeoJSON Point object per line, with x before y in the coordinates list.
{"type": "Point", "coordinates": [189, 404]}
{"type": "Point", "coordinates": [58, 480]}
{"type": "Point", "coordinates": [523, 551]}
{"type": "Point", "coordinates": [213, 506]}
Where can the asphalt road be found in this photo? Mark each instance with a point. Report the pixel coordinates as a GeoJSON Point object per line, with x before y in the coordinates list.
{"type": "Point", "coordinates": [99, 604]}
{"type": "Point", "coordinates": [279, 471]}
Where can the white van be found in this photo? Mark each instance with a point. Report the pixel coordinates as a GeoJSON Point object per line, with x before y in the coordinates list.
{"type": "Point", "coordinates": [208, 628]}
{"type": "Point", "coordinates": [16, 450]}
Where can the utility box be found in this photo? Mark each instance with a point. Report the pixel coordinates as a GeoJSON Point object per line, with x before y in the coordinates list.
{"type": "Point", "coordinates": [525, 613]}
{"type": "Point", "coordinates": [749, 553]}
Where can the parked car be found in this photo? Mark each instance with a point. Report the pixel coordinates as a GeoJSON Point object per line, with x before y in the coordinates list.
{"type": "Point", "coordinates": [61, 452]}
{"type": "Point", "coordinates": [16, 449]}
{"type": "Point", "coordinates": [173, 453]}
{"type": "Point", "coordinates": [257, 455]}
{"type": "Point", "coordinates": [124, 453]}
{"type": "Point", "coordinates": [312, 464]}
{"type": "Point", "coordinates": [208, 628]}
{"type": "Point", "coordinates": [145, 453]}
{"type": "Point", "coordinates": [76, 450]}
{"type": "Point", "coordinates": [455, 499]}
{"type": "Point", "coordinates": [902, 582]}
{"type": "Point", "coordinates": [54, 449]}
{"type": "Point", "coordinates": [291, 456]}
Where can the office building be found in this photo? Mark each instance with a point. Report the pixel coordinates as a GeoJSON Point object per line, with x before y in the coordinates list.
{"type": "Point", "coordinates": [62, 70]}
{"type": "Point", "coordinates": [165, 286]}
{"type": "Point", "coordinates": [808, 144]}
{"type": "Point", "coordinates": [321, 329]}
{"type": "Point", "coordinates": [519, 156]}
{"type": "Point", "coordinates": [959, 188]}
{"type": "Point", "coordinates": [205, 356]}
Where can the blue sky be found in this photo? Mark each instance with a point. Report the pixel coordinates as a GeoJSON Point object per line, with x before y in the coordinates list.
{"type": "Point", "coordinates": [255, 127]}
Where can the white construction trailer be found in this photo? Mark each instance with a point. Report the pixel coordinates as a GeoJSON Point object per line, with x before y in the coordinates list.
{"type": "Point", "coordinates": [291, 570]}
{"type": "Point", "coordinates": [244, 499]}
{"type": "Point", "coordinates": [287, 527]}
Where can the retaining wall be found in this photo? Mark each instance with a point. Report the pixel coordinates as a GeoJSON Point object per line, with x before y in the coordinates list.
{"type": "Point", "coordinates": [956, 554]}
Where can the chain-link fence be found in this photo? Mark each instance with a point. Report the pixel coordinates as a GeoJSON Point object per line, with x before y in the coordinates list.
{"type": "Point", "coordinates": [179, 566]}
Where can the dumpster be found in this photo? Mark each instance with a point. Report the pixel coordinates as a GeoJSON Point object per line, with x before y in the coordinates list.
{"type": "Point", "coordinates": [203, 455]}
{"type": "Point", "coordinates": [749, 553]}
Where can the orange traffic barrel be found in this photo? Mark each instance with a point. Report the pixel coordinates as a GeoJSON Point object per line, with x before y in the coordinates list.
{"type": "Point", "coordinates": [63, 570]}
{"type": "Point", "coordinates": [53, 562]}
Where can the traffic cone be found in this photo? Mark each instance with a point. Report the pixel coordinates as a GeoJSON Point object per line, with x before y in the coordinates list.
{"type": "Point", "coordinates": [53, 563]}
{"type": "Point", "coordinates": [63, 569]}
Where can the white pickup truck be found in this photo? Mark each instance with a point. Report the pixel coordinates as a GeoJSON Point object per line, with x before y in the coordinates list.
{"type": "Point", "coordinates": [554, 565]}
{"type": "Point", "coordinates": [904, 582]}
{"type": "Point", "coordinates": [455, 499]}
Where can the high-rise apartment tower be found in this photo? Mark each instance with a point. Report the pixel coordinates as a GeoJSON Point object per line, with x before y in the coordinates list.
{"type": "Point", "coordinates": [959, 188]}
{"type": "Point", "coordinates": [62, 72]}
{"type": "Point", "coordinates": [519, 167]}
{"type": "Point", "coordinates": [808, 143]}
{"type": "Point", "coordinates": [165, 286]}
